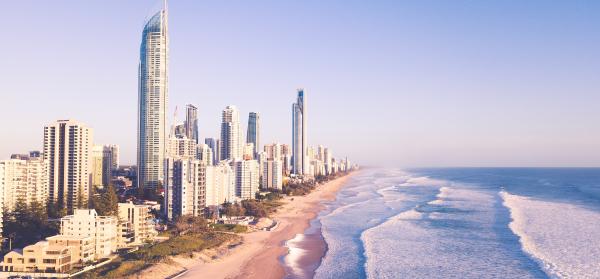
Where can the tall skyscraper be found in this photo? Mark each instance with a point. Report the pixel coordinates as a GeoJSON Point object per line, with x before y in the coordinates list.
{"type": "Point", "coordinates": [231, 147]}
{"type": "Point", "coordinates": [300, 162]}
{"type": "Point", "coordinates": [67, 150]}
{"type": "Point", "coordinates": [191, 123]}
{"type": "Point", "coordinates": [253, 134]}
{"type": "Point", "coordinates": [153, 100]}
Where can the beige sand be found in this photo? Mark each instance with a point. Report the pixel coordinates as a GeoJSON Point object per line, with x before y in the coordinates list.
{"type": "Point", "coordinates": [258, 255]}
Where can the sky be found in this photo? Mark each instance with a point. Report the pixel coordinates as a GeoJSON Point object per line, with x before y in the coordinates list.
{"type": "Point", "coordinates": [393, 83]}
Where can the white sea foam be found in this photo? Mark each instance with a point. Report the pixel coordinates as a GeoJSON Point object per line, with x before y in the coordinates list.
{"type": "Point", "coordinates": [451, 237]}
{"type": "Point", "coordinates": [563, 238]}
{"type": "Point", "coordinates": [294, 254]}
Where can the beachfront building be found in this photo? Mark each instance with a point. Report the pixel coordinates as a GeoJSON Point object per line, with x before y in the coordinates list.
{"type": "Point", "coordinates": [140, 221]}
{"type": "Point", "coordinates": [40, 257]}
{"type": "Point", "coordinates": [253, 133]}
{"type": "Point", "coordinates": [23, 178]}
{"type": "Point", "coordinates": [300, 163]}
{"type": "Point", "coordinates": [231, 144]}
{"type": "Point", "coordinates": [246, 178]}
{"type": "Point", "coordinates": [153, 101]}
{"type": "Point", "coordinates": [220, 184]}
{"type": "Point", "coordinates": [67, 151]}
{"type": "Point", "coordinates": [272, 175]}
{"type": "Point", "coordinates": [185, 187]}
{"type": "Point", "coordinates": [328, 160]}
{"type": "Point", "coordinates": [87, 223]}
{"type": "Point", "coordinates": [82, 247]}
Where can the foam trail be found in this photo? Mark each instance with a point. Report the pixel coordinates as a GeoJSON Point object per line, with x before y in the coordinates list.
{"type": "Point", "coordinates": [562, 238]}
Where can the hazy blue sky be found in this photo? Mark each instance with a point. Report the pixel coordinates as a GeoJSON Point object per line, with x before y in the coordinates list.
{"type": "Point", "coordinates": [406, 83]}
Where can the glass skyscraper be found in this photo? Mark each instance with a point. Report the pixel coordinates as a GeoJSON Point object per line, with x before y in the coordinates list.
{"type": "Point", "coordinates": [299, 141]}
{"type": "Point", "coordinates": [253, 134]}
{"type": "Point", "coordinates": [152, 100]}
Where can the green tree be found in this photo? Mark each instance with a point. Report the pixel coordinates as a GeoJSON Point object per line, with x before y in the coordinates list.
{"type": "Point", "coordinates": [106, 202]}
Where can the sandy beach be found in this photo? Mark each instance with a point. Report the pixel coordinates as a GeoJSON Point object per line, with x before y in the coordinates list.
{"type": "Point", "coordinates": [258, 255]}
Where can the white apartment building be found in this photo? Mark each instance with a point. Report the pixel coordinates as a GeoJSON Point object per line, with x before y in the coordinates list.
{"type": "Point", "coordinates": [231, 140]}
{"type": "Point", "coordinates": [220, 184]}
{"type": "Point", "coordinates": [185, 187]}
{"type": "Point", "coordinates": [182, 147]}
{"type": "Point", "coordinates": [87, 223]}
{"type": "Point", "coordinates": [67, 150]}
{"type": "Point", "coordinates": [140, 220]}
{"type": "Point", "coordinates": [24, 179]}
{"type": "Point", "coordinates": [247, 175]}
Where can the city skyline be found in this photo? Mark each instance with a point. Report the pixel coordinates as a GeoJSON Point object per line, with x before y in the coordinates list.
{"type": "Point", "coordinates": [517, 114]}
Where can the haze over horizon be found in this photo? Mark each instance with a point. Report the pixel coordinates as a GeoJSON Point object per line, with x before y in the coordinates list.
{"type": "Point", "coordinates": [412, 83]}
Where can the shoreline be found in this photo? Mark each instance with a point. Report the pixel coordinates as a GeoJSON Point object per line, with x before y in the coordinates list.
{"type": "Point", "coordinates": [261, 253]}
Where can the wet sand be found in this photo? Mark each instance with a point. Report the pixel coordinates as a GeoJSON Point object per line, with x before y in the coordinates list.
{"type": "Point", "coordinates": [259, 254]}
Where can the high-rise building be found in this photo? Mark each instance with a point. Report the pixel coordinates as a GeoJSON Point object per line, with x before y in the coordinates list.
{"type": "Point", "coordinates": [220, 184]}
{"type": "Point", "coordinates": [231, 147]}
{"type": "Point", "coordinates": [23, 179]}
{"type": "Point", "coordinates": [153, 100]}
{"type": "Point", "coordinates": [247, 178]}
{"type": "Point", "coordinates": [253, 134]}
{"type": "Point", "coordinates": [182, 147]}
{"type": "Point", "coordinates": [273, 151]}
{"type": "Point", "coordinates": [185, 187]}
{"type": "Point", "coordinates": [115, 153]}
{"type": "Point", "coordinates": [328, 158]}
{"type": "Point", "coordinates": [272, 177]}
{"type": "Point", "coordinates": [191, 123]}
{"type": "Point", "coordinates": [67, 150]}
{"type": "Point", "coordinates": [103, 164]}
{"type": "Point", "coordinates": [300, 162]}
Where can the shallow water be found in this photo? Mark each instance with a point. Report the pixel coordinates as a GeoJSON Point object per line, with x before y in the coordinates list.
{"type": "Point", "coordinates": [463, 223]}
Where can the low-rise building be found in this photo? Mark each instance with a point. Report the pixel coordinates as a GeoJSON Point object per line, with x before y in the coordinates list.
{"type": "Point", "coordinates": [140, 220]}
{"type": "Point", "coordinates": [87, 223]}
{"type": "Point", "coordinates": [40, 257]}
{"type": "Point", "coordinates": [82, 247]}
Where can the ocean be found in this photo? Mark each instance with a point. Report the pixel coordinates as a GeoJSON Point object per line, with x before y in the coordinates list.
{"type": "Point", "coordinates": [462, 223]}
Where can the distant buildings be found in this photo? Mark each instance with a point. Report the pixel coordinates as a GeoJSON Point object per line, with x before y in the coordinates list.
{"type": "Point", "coordinates": [103, 164]}
{"type": "Point", "coordinates": [300, 163]}
{"type": "Point", "coordinates": [205, 154]}
{"type": "Point", "coordinates": [191, 123]}
{"type": "Point", "coordinates": [231, 147]}
{"type": "Point", "coordinates": [213, 144]}
{"type": "Point", "coordinates": [67, 150]}
{"type": "Point", "coordinates": [152, 101]}
{"type": "Point", "coordinates": [253, 134]}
